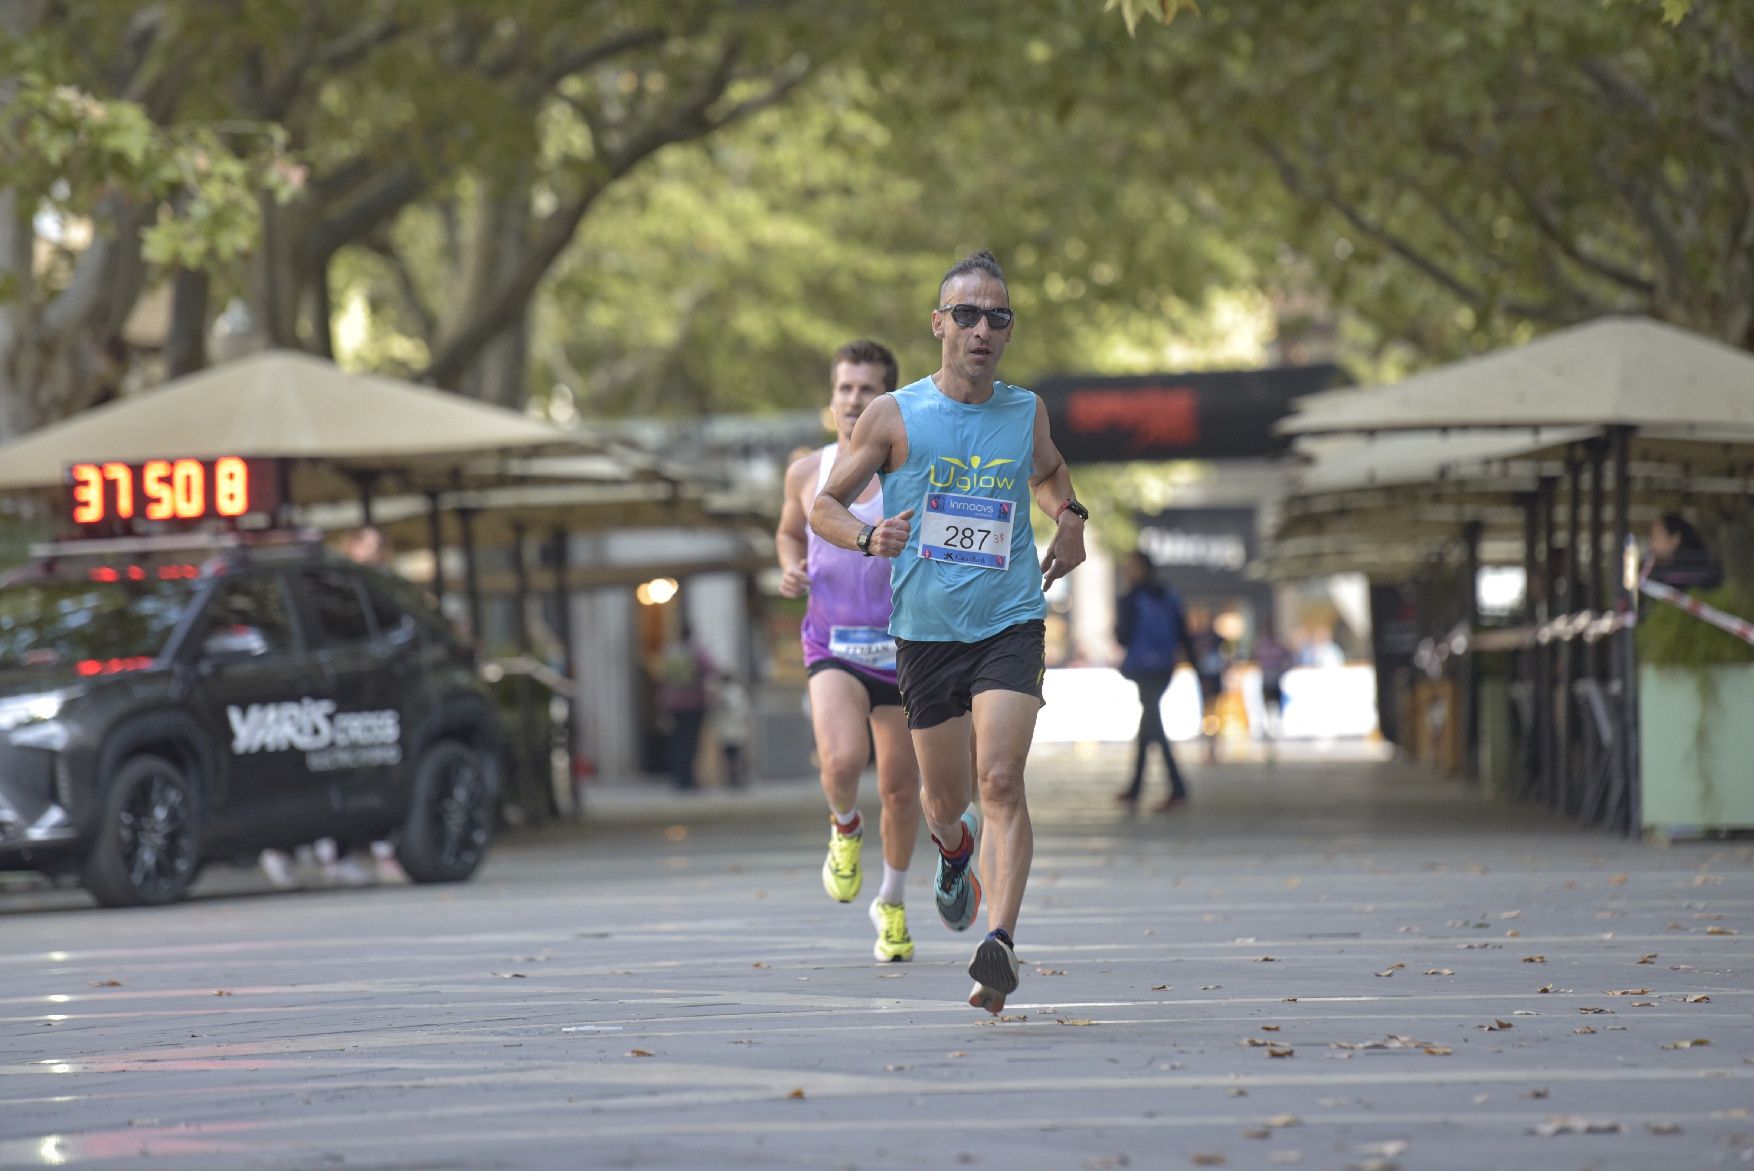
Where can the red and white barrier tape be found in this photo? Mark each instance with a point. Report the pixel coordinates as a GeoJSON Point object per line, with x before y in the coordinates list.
{"type": "Point", "coordinates": [1728, 623]}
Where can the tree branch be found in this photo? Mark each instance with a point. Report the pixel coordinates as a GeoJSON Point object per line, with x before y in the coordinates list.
{"type": "Point", "coordinates": [407, 286]}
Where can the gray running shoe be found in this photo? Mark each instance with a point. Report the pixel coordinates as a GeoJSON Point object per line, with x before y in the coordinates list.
{"type": "Point", "coordinates": [958, 888]}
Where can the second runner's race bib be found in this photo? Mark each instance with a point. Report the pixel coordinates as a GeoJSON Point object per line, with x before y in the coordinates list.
{"type": "Point", "coordinates": [966, 530]}
{"type": "Point", "coordinates": [868, 646]}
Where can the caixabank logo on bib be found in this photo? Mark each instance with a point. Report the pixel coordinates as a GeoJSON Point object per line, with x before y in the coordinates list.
{"type": "Point", "coordinates": [330, 739]}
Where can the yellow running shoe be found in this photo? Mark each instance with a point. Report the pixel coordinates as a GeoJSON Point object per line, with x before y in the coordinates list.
{"type": "Point", "coordinates": [841, 875]}
{"type": "Point", "coordinates": [894, 945]}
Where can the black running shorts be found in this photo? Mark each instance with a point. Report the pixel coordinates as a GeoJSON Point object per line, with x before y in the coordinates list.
{"type": "Point", "coordinates": [939, 680]}
{"type": "Point", "coordinates": [881, 692]}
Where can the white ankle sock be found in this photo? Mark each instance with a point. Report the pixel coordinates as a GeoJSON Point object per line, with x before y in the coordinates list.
{"type": "Point", "coordinates": [893, 883]}
{"type": "Point", "coordinates": [845, 819]}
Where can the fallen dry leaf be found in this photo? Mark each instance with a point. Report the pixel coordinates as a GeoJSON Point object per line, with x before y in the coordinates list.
{"type": "Point", "coordinates": [222, 992]}
{"type": "Point", "coordinates": [1386, 1150]}
{"type": "Point", "coordinates": [797, 1093]}
{"type": "Point", "coordinates": [1280, 1121]}
{"type": "Point", "coordinates": [1440, 971]}
{"type": "Point", "coordinates": [1439, 1050]}
{"type": "Point", "coordinates": [1693, 1044]}
{"type": "Point", "coordinates": [1281, 1051]}
{"type": "Point", "coordinates": [1663, 1127]}
{"type": "Point", "coordinates": [1649, 957]}
{"type": "Point", "coordinates": [509, 975]}
{"type": "Point", "coordinates": [1630, 992]}
{"type": "Point", "coordinates": [1160, 987]}
{"type": "Point", "coordinates": [1266, 959]}
{"type": "Point", "coordinates": [1257, 1132]}
{"type": "Point", "coordinates": [758, 964]}
{"type": "Point", "coordinates": [1584, 1031]}
{"type": "Point", "coordinates": [1238, 1092]}
{"type": "Point", "coordinates": [1513, 933]}
{"type": "Point", "coordinates": [1536, 1095]}
{"type": "Point", "coordinates": [106, 983]}
{"type": "Point", "coordinates": [957, 1053]}
{"type": "Point", "coordinates": [1285, 1158]}
{"type": "Point", "coordinates": [1050, 971]}
{"type": "Point", "coordinates": [639, 1052]}
{"type": "Point", "coordinates": [1720, 930]}
{"type": "Point", "coordinates": [1545, 988]}
{"type": "Point", "coordinates": [1699, 998]}
{"type": "Point", "coordinates": [1617, 880]}
{"type": "Point", "coordinates": [1393, 1041]}
{"type": "Point", "coordinates": [1391, 969]}
{"type": "Point", "coordinates": [1534, 959]}
{"type": "Point", "coordinates": [896, 1068]}
{"type": "Point", "coordinates": [1081, 1021]}
{"type": "Point", "coordinates": [1574, 1124]}
{"type": "Point", "coordinates": [1210, 987]}
{"type": "Point", "coordinates": [1498, 1026]}
{"type": "Point", "coordinates": [1269, 1028]}
{"type": "Point", "coordinates": [1593, 1010]}
{"type": "Point", "coordinates": [1644, 1004]}
{"type": "Point", "coordinates": [1256, 1042]}
{"type": "Point", "coordinates": [1200, 1159]}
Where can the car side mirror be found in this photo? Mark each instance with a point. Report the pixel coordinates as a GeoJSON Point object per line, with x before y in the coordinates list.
{"type": "Point", "coordinates": [234, 642]}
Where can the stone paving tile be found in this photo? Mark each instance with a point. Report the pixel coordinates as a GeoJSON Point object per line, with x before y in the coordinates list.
{"type": "Point", "coordinates": [668, 987]}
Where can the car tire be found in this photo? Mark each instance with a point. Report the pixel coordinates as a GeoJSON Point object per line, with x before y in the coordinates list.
{"type": "Point", "coordinates": [148, 847]}
{"type": "Point", "coordinates": [450, 822]}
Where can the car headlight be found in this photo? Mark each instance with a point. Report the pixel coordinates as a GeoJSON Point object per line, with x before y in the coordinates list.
{"type": "Point", "coordinates": [29, 709]}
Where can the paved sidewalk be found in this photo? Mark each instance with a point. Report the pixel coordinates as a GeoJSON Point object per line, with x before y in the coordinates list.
{"type": "Point", "coordinates": [1326, 965]}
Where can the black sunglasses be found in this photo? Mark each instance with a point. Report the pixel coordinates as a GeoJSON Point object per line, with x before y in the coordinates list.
{"type": "Point", "coordinates": [967, 315]}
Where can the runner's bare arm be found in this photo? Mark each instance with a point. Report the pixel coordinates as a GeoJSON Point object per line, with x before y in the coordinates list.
{"type": "Point", "coordinates": [791, 538]}
{"type": "Point", "coordinates": [1052, 487]}
{"type": "Point", "coordinates": [879, 444]}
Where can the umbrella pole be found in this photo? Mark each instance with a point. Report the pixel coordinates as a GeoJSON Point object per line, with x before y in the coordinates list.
{"type": "Point", "coordinates": [1567, 649]}
{"type": "Point", "coordinates": [1531, 740]}
{"type": "Point", "coordinates": [1471, 661]}
{"type": "Point", "coordinates": [1546, 652]}
{"type": "Point", "coordinates": [436, 538]}
{"type": "Point", "coordinates": [471, 573]}
{"type": "Point", "coordinates": [1624, 812]}
{"type": "Point", "coordinates": [557, 561]}
{"type": "Point", "coordinates": [367, 482]}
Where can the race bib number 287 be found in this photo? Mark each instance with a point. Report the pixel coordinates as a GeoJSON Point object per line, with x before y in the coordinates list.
{"type": "Point", "coordinates": [966, 530]}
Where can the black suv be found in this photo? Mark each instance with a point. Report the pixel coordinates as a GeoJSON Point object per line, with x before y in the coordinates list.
{"type": "Point", "coordinates": [162, 708]}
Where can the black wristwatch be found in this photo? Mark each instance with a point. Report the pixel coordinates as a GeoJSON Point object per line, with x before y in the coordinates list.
{"type": "Point", "coordinates": [863, 541]}
{"type": "Point", "coordinates": [1076, 509]}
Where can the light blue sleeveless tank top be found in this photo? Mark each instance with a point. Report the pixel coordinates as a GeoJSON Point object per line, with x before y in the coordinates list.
{"type": "Point", "coordinates": [967, 480]}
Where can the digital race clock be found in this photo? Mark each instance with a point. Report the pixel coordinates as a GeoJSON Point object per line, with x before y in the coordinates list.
{"type": "Point", "coordinates": [113, 495]}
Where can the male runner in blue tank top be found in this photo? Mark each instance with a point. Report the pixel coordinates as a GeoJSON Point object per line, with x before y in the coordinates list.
{"type": "Point", "coordinates": [962, 455]}
{"type": "Point", "coordinates": [850, 656]}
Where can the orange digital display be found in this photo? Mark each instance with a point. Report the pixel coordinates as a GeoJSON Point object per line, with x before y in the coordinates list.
{"type": "Point", "coordinates": [170, 490]}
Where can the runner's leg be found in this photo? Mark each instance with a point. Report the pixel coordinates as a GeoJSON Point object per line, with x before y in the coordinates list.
{"type": "Point", "coordinates": [946, 785]}
{"type": "Point", "coordinates": [1004, 725]}
{"type": "Point", "coordinates": [898, 785]}
{"type": "Point", "coordinates": [839, 709]}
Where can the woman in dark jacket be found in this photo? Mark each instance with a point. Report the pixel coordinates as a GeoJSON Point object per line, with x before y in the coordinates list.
{"type": "Point", "coordinates": [1150, 624]}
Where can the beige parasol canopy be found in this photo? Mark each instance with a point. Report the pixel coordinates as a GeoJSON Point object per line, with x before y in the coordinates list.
{"type": "Point", "coordinates": [1613, 371]}
{"type": "Point", "coordinates": [278, 403]}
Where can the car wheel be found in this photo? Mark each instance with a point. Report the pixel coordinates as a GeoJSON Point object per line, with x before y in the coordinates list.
{"type": "Point", "coordinates": [148, 848]}
{"type": "Point", "coordinates": [450, 822]}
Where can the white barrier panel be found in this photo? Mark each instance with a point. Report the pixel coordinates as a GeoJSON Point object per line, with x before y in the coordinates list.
{"type": "Point", "coordinates": [1098, 704]}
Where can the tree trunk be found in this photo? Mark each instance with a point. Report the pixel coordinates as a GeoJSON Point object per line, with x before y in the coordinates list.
{"type": "Point", "coordinates": [185, 346]}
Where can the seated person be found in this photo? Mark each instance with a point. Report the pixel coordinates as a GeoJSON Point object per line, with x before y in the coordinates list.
{"type": "Point", "coordinates": [1679, 557]}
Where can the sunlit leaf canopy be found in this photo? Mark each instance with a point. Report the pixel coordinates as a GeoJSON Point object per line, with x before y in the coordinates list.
{"type": "Point", "coordinates": [683, 208]}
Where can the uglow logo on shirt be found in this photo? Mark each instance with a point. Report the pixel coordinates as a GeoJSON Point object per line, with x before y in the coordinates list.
{"type": "Point", "coordinates": [970, 475]}
{"type": "Point", "coordinates": [330, 739]}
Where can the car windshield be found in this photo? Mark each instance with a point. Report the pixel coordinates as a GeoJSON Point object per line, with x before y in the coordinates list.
{"type": "Point", "coordinates": [69, 622]}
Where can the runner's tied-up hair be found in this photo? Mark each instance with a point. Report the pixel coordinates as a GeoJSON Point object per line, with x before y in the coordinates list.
{"type": "Point", "coordinates": [982, 261]}
{"type": "Point", "coordinates": [866, 351]}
